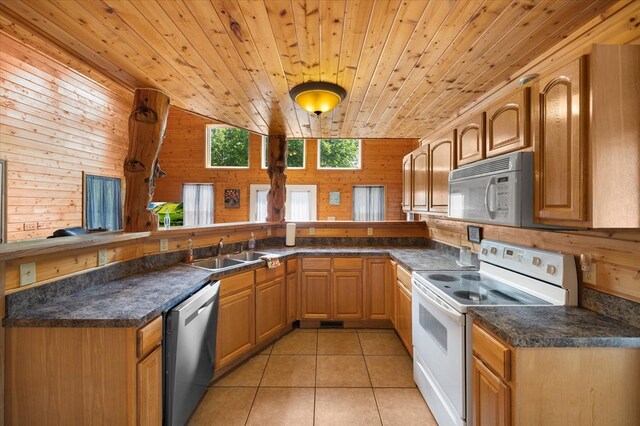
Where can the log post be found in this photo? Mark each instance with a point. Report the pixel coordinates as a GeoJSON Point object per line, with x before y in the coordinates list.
{"type": "Point", "coordinates": [277, 163]}
{"type": "Point", "coordinates": [147, 124]}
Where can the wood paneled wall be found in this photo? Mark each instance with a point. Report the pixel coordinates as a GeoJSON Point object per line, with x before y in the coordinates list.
{"type": "Point", "coordinates": [55, 124]}
{"type": "Point", "coordinates": [183, 159]}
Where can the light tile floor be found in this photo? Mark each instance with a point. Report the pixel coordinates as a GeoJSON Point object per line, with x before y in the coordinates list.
{"type": "Point", "coordinates": [320, 377]}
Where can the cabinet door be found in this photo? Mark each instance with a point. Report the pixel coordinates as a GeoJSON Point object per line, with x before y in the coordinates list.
{"type": "Point", "coordinates": [441, 162]}
{"type": "Point", "coordinates": [403, 305]}
{"type": "Point", "coordinates": [236, 332]}
{"type": "Point", "coordinates": [508, 124]}
{"type": "Point", "coordinates": [315, 295]}
{"type": "Point", "coordinates": [470, 140]}
{"type": "Point", "coordinates": [560, 145]}
{"type": "Point", "coordinates": [406, 183]}
{"type": "Point", "coordinates": [149, 378]}
{"type": "Point", "coordinates": [419, 176]}
{"type": "Point", "coordinates": [292, 298]}
{"type": "Point", "coordinates": [491, 397]}
{"type": "Point", "coordinates": [270, 309]}
{"type": "Point", "coordinates": [393, 278]}
{"type": "Point", "coordinates": [347, 295]}
{"type": "Point", "coordinates": [377, 289]}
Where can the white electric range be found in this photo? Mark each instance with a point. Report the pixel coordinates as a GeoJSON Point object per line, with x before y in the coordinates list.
{"type": "Point", "coordinates": [442, 355]}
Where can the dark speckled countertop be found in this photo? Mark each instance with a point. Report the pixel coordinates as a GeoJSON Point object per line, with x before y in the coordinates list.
{"type": "Point", "coordinates": [555, 326]}
{"type": "Point", "coordinates": [135, 299]}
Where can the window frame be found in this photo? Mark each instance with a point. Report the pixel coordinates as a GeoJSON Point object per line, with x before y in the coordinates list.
{"type": "Point", "coordinates": [207, 157]}
{"type": "Point", "coordinates": [313, 209]}
{"type": "Point", "coordinates": [264, 154]}
{"type": "Point", "coordinates": [384, 189]}
{"type": "Point", "coordinates": [213, 208]}
{"type": "Point", "coordinates": [360, 162]}
{"type": "Point", "coordinates": [85, 175]}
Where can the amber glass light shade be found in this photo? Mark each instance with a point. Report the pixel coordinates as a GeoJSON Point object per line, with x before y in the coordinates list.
{"type": "Point", "coordinates": [318, 97]}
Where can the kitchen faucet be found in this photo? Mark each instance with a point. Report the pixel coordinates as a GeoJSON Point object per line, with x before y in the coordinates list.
{"type": "Point", "coordinates": [220, 246]}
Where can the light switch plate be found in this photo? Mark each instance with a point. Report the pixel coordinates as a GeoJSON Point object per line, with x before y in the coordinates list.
{"type": "Point", "coordinates": [27, 273]}
{"type": "Point", "coordinates": [102, 257]}
{"type": "Point", "coordinates": [369, 231]}
{"type": "Point", "coordinates": [312, 231]}
{"type": "Point", "coordinates": [164, 244]}
{"type": "Point", "coordinates": [589, 277]}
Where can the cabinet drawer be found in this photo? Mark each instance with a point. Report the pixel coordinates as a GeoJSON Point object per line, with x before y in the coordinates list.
{"type": "Point", "coordinates": [236, 283]}
{"type": "Point", "coordinates": [264, 274]}
{"type": "Point", "coordinates": [349, 263]}
{"type": "Point", "coordinates": [404, 277]}
{"type": "Point", "coordinates": [323, 263]}
{"type": "Point", "coordinates": [292, 266]}
{"type": "Point", "coordinates": [149, 336]}
{"type": "Point", "coordinates": [492, 351]}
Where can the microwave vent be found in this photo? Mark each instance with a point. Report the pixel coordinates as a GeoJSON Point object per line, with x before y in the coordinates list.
{"type": "Point", "coordinates": [498, 165]}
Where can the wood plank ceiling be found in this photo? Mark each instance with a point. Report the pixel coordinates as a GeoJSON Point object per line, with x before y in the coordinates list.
{"type": "Point", "coordinates": [406, 64]}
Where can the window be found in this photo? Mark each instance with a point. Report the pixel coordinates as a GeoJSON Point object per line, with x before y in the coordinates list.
{"type": "Point", "coordinates": [103, 203]}
{"type": "Point", "coordinates": [339, 153]}
{"type": "Point", "coordinates": [227, 147]}
{"type": "Point", "coordinates": [301, 204]}
{"type": "Point", "coordinates": [197, 204]}
{"type": "Point", "coordinates": [295, 153]}
{"type": "Point", "coordinates": [368, 203]}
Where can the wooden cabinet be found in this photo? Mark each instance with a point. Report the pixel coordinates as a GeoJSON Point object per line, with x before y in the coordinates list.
{"type": "Point", "coordinates": [508, 123]}
{"type": "Point", "coordinates": [441, 161]}
{"type": "Point", "coordinates": [406, 183]}
{"type": "Point", "coordinates": [149, 392]}
{"type": "Point", "coordinates": [560, 145]}
{"type": "Point", "coordinates": [403, 312]}
{"type": "Point", "coordinates": [346, 301]}
{"type": "Point", "coordinates": [470, 140]}
{"type": "Point", "coordinates": [270, 308]}
{"type": "Point", "coordinates": [492, 399]}
{"type": "Point", "coordinates": [420, 180]}
{"type": "Point", "coordinates": [393, 280]}
{"type": "Point", "coordinates": [236, 318]}
{"type": "Point", "coordinates": [292, 291]}
{"type": "Point", "coordinates": [378, 289]}
{"type": "Point", "coordinates": [315, 289]}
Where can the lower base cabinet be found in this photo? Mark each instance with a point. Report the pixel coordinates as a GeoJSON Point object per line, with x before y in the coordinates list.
{"type": "Point", "coordinates": [270, 309]}
{"type": "Point", "coordinates": [403, 316]}
{"type": "Point", "coordinates": [150, 389]}
{"type": "Point", "coordinates": [492, 399]}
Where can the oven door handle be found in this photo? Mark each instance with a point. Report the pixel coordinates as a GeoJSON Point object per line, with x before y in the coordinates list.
{"type": "Point", "coordinates": [438, 303]}
{"type": "Point", "coordinates": [490, 198]}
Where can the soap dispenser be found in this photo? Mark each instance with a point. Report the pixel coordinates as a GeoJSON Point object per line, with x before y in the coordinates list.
{"type": "Point", "coordinates": [252, 242]}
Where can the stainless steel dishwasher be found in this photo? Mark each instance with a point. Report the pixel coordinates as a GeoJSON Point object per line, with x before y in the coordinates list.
{"type": "Point", "coordinates": [189, 352]}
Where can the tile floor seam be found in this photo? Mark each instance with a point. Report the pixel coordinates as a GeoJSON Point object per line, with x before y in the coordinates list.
{"type": "Point", "coordinates": [259, 386]}
{"type": "Point", "coordinates": [366, 366]}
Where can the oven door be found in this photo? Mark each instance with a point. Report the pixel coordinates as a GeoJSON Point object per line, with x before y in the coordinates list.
{"type": "Point", "coordinates": [439, 355]}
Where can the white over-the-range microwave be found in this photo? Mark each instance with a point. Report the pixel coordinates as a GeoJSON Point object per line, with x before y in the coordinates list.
{"type": "Point", "coordinates": [497, 191]}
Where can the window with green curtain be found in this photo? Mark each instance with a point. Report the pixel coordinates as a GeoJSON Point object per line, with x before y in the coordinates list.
{"type": "Point", "coordinates": [103, 203]}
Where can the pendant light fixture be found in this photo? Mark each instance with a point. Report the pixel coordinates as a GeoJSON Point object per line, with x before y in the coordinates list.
{"type": "Point", "coordinates": [318, 97]}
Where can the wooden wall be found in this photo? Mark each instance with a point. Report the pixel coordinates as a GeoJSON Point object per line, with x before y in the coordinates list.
{"type": "Point", "coordinates": [55, 124]}
{"type": "Point", "coordinates": [183, 159]}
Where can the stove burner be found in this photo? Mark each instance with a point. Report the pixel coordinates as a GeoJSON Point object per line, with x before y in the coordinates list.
{"type": "Point", "coordinates": [442, 277]}
{"type": "Point", "coordinates": [470, 295]}
{"type": "Point", "coordinates": [472, 277]}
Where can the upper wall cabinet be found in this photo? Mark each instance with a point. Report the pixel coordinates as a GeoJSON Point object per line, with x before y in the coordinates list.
{"type": "Point", "coordinates": [560, 144]}
{"type": "Point", "coordinates": [406, 183]}
{"type": "Point", "coordinates": [420, 179]}
{"type": "Point", "coordinates": [508, 123]}
{"type": "Point", "coordinates": [442, 160]}
{"type": "Point", "coordinates": [470, 141]}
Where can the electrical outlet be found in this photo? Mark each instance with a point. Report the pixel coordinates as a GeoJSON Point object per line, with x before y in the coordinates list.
{"type": "Point", "coordinates": [589, 277]}
{"type": "Point", "coordinates": [268, 232]}
{"type": "Point", "coordinates": [312, 231]}
{"type": "Point", "coordinates": [27, 273]}
{"type": "Point", "coordinates": [102, 257]}
{"type": "Point", "coordinates": [164, 244]}
{"type": "Point", "coordinates": [30, 226]}
{"type": "Point", "coordinates": [369, 231]}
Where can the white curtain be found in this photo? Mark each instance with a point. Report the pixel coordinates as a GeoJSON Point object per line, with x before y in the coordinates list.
{"type": "Point", "coordinates": [197, 204]}
{"type": "Point", "coordinates": [368, 203]}
{"type": "Point", "coordinates": [103, 208]}
{"type": "Point", "coordinates": [299, 206]}
{"type": "Point", "coordinates": [261, 205]}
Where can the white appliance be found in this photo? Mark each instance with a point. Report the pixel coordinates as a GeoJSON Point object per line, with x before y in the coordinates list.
{"type": "Point", "coordinates": [442, 351]}
{"type": "Point", "coordinates": [497, 190]}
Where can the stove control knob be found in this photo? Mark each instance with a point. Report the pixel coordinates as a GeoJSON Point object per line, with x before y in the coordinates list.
{"type": "Point", "coordinates": [494, 250]}
{"type": "Point", "coordinates": [535, 261]}
{"type": "Point", "coordinates": [484, 251]}
{"type": "Point", "coordinates": [551, 269]}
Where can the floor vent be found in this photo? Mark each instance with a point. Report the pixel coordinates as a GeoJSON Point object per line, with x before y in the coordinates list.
{"type": "Point", "coordinates": [331, 324]}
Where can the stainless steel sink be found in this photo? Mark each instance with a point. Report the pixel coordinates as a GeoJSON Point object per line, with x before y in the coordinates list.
{"type": "Point", "coordinates": [215, 263]}
{"type": "Point", "coordinates": [248, 256]}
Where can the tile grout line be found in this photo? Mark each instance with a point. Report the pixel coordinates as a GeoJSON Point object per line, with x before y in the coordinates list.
{"type": "Point", "coordinates": [259, 385]}
{"type": "Point", "coordinates": [371, 381]}
{"type": "Point", "coordinates": [315, 382]}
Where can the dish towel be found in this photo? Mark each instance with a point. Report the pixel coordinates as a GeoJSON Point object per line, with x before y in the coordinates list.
{"type": "Point", "coordinates": [272, 261]}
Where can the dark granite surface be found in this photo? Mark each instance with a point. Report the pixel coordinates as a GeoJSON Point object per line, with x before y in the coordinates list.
{"type": "Point", "coordinates": [555, 326]}
{"type": "Point", "coordinates": [611, 306]}
{"type": "Point", "coordinates": [124, 295]}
